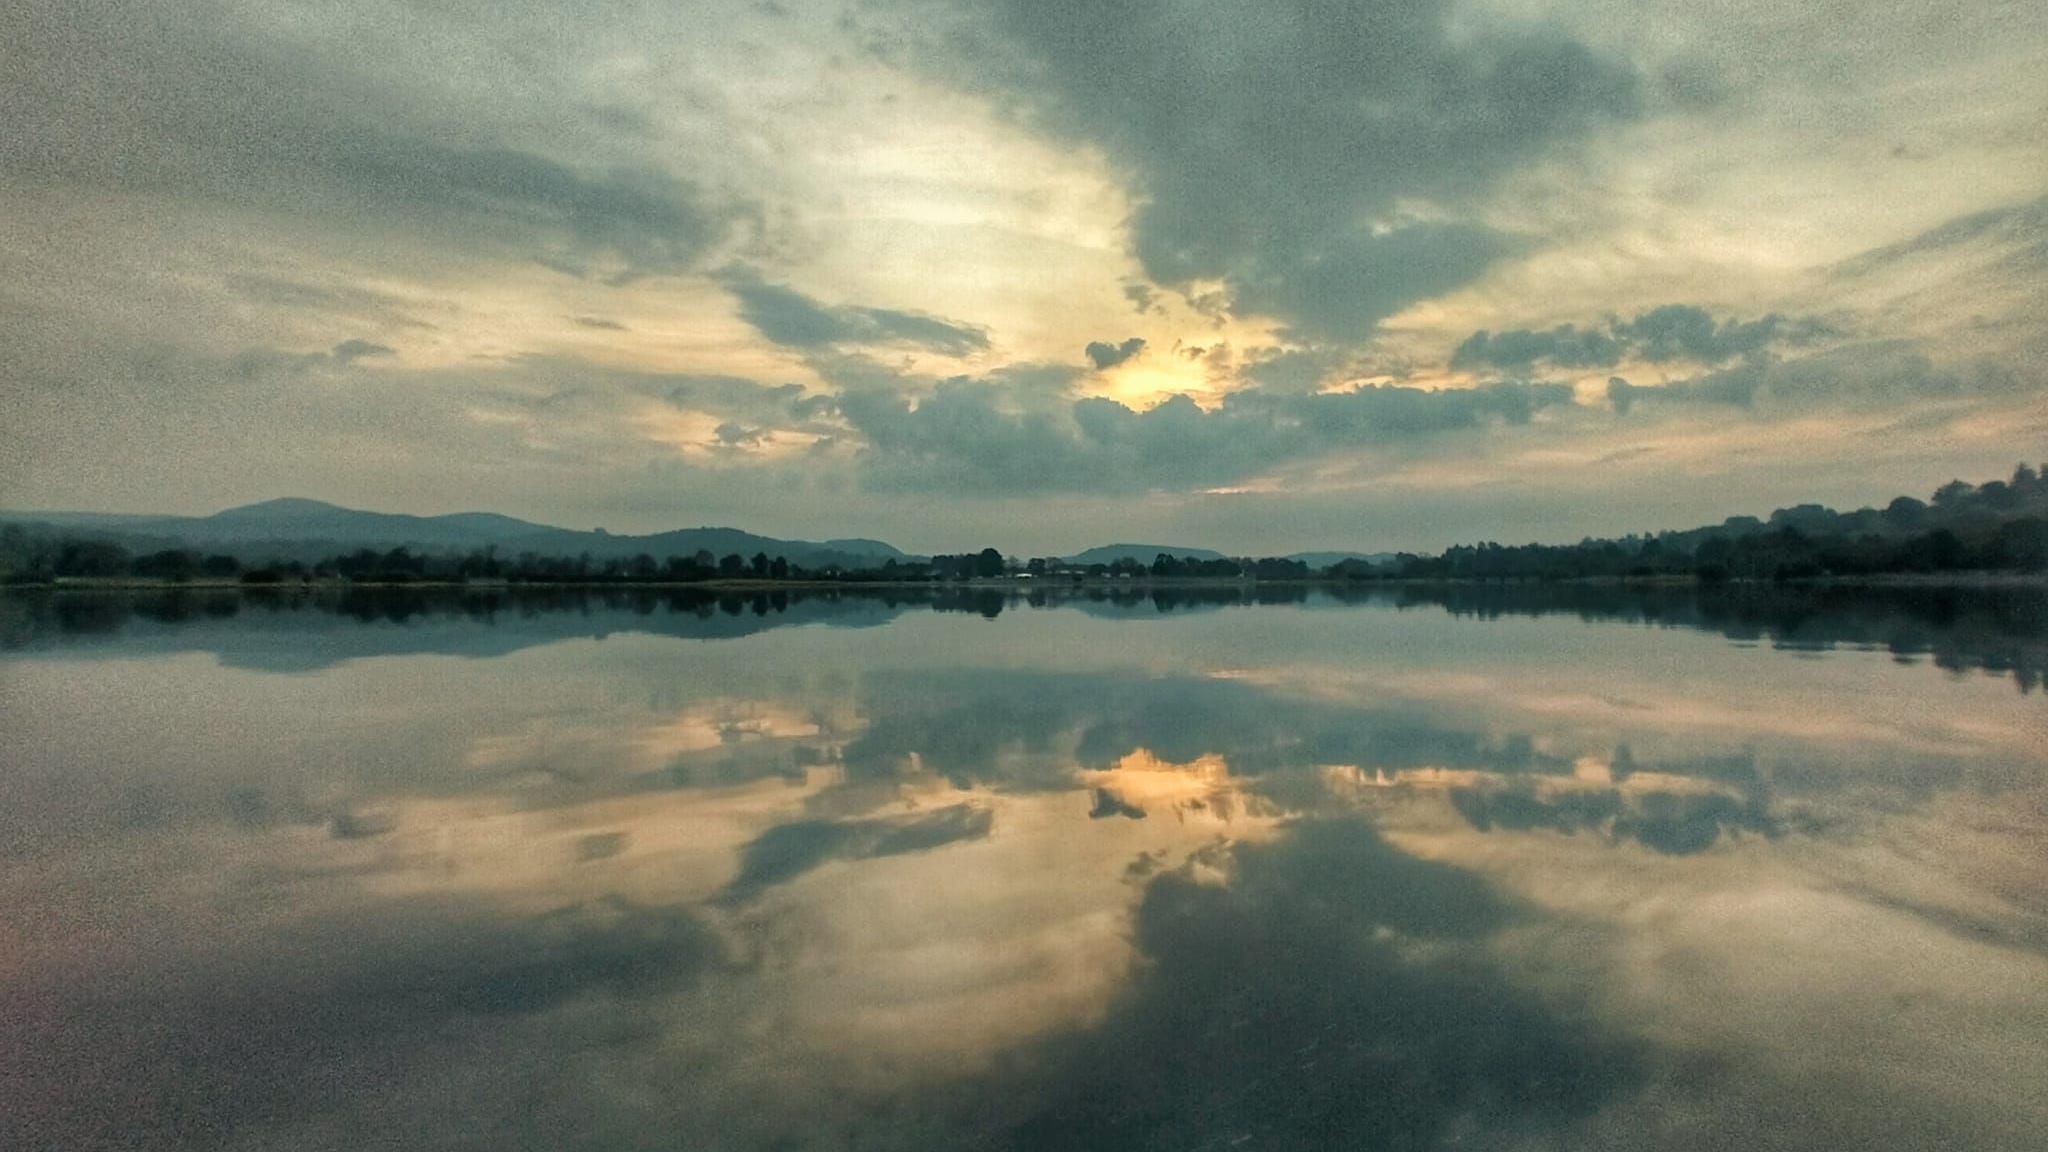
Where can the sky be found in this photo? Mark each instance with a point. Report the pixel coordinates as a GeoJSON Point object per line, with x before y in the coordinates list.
{"type": "Point", "coordinates": [1037, 273]}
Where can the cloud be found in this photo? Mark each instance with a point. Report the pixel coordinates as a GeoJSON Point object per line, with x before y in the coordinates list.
{"type": "Point", "coordinates": [794, 320]}
{"type": "Point", "coordinates": [1319, 159]}
{"type": "Point", "coordinates": [349, 301]}
{"type": "Point", "coordinates": [1866, 376]}
{"type": "Point", "coordinates": [209, 106]}
{"type": "Point", "coordinates": [1107, 804]}
{"type": "Point", "coordinates": [1341, 288]}
{"type": "Point", "coordinates": [1672, 332]}
{"type": "Point", "coordinates": [733, 434]}
{"type": "Point", "coordinates": [1105, 355]}
{"type": "Point", "coordinates": [787, 851]}
{"type": "Point", "coordinates": [724, 395]}
{"type": "Point", "coordinates": [1683, 332]}
{"type": "Point", "coordinates": [1737, 388]}
{"type": "Point", "coordinates": [1669, 823]}
{"type": "Point", "coordinates": [2016, 235]}
{"type": "Point", "coordinates": [349, 351]}
{"type": "Point", "coordinates": [640, 219]}
{"type": "Point", "coordinates": [1144, 299]}
{"type": "Point", "coordinates": [1036, 732]}
{"type": "Point", "coordinates": [1286, 1001]}
{"type": "Point", "coordinates": [600, 323]}
{"type": "Point", "coordinates": [259, 362]}
{"type": "Point", "coordinates": [1565, 346]}
{"type": "Point", "coordinates": [266, 1029]}
{"type": "Point", "coordinates": [970, 436]}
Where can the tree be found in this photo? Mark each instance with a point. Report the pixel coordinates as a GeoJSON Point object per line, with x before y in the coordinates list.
{"type": "Point", "coordinates": [1938, 550]}
{"type": "Point", "coordinates": [1953, 493]}
{"type": "Point", "coordinates": [92, 558]}
{"type": "Point", "coordinates": [988, 563]}
{"type": "Point", "coordinates": [173, 564]}
{"type": "Point", "coordinates": [2021, 544]}
{"type": "Point", "coordinates": [1905, 511]}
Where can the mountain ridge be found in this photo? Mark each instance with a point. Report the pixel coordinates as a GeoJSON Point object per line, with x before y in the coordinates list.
{"type": "Point", "coordinates": [295, 527]}
{"type": "Point", "coordinates": [1142, 553]}
{"type": "Point", "coordinates": [308, 529]}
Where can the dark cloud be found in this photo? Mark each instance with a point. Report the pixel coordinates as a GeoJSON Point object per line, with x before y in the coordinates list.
{"type": "Point", "coordinates": [1276, 147]}
{"type": "Point", "coordinates": [1670, 823]}
{"type": "Point", "coordinates": [349, 351]}
{"type": "Point", "coordinates": [1023, 732]}
{"type": "Point", "coordinates": [794, 320]}
{"type": "Point", "coordinates": [1694, 83]}
{"type": "Point", "coordinates": [1736, 387]}
{"type": "Point", "coordinates": [1881, 374]}
{"type": "Point", "coordinates": [1683, 332]}
{"type": "Point", "coordinates": [732, 396]}
{"type": "Point", "coordinates": [259, 362]}
{"type": "Point", "coordinates": [1292, 369]}
{"type": "Point", "coordinates": [600, 323]}
{"type": "Point", "coordinates": [610, 946]}
{"type": "Point", "coordinates": [640, 219]}
{"type": "Point", "coordinates": [339, 300]}
{"type": "Point", "coordinates": [332, 1016]}
{"type": "Point", "coordinates": [977, 436]}
{"type": "Point", "coordinates": [733, 434]}
{"type": "Point", "coordinates": [2016, 236]}
{"type": "Point", "coordinates": [361, 824]}
{"type": "Point", "coordinates": [1107, 804]}
{"type": "Point", "coordinates": [787, 851]}
{"type": "Point", "coordinates": [1341, 288]}
{"type": "Point", "coordinates": [1565, 346]}
{"type": "Point", "coordinates": [1334, 990]}
{"type": "Point", "coordinates": [1105, 355]}
{"type": "Point", "coordinates": [597, 846]}
{"type": "Point", "coordinates": [209, 106]}
{"type": "Point", "coordinates": [1672, 332]}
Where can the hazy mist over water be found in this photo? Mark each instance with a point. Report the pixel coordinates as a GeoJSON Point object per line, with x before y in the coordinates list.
{"type": "Point", "coordinates": [1490, 868]}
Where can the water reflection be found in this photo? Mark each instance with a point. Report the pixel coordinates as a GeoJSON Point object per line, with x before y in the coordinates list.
{"type": "Point", "coordinates": [1166, 868]}
{"type": "Point", "coordinates": [1995, 629]}
{"type": "Point", "coordinates": [1327, 990]}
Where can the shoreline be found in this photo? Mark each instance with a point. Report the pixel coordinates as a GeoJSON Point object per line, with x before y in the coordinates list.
{"type": "Point", "coordinates": [1928, 580]}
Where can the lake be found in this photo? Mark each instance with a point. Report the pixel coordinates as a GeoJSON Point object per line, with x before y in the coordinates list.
{"type": "Point", "coordinates": [1506, 868]}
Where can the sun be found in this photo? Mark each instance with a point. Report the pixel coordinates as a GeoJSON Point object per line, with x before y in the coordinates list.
{"type": "Point", "coordinates": [1151, 377]}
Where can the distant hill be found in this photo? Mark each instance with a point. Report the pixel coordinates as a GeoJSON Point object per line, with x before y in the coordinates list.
{"type": "Point", "coordinates": [1321, 560]}
{"type": "Point", "coordinates": [1143, 553]}
{"type": "Point", "coordinates": [294, 528]}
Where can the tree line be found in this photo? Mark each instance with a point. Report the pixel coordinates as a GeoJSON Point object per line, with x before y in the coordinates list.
{"type": "Point", "coordinates": [2001, 525]}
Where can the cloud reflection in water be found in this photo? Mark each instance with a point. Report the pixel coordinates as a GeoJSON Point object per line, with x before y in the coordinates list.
{"type": "Point", "coordinates": [1403, 876]}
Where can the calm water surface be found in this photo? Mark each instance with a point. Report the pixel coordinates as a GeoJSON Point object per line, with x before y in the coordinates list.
{"type": "Point", "coordinates": [1479, 869]}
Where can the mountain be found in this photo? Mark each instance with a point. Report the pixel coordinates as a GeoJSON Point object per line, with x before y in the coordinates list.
{"type": "Point", "coordinates": [857, 546]}
{"type": "Point", "coordinates": [300, 519]}
{"type": "Point", "coordinates": [1321, 560]}
{"type": "Point", "coordinates": [296, 528]}
{"type": "Point", "coordinates": [1142, 553]}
